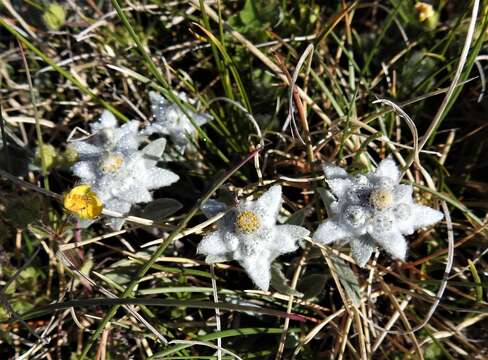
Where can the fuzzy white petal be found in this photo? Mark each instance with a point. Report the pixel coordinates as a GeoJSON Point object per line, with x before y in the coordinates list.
{"type": "Point", "coordinates": [330, 231]}
{"type": "Point", "coordinates": [155, 128]}
{"type": "Point", "coordinates": [107, 120]}
{"type": "Point", "coordinates": [118, 205]}
{"type": "Point", "coordinates": [212, 244]}
{"type": "Point", "coordinates": [387, 168]}
{"type": "Point", "coordinates": [393, 242]}
{"type": "Point", "coordinates": [361, 250]}
{"type": "Point", "coordinates": [333, 171]}
{"type": "Point", "coordinates": [155, 178]}
{"type": "Point", "coordinates": [403, 193]}
{"type": "Point", "coordinates": [126, 138]}
{"type": "Point", "coordinates": [84, 223]}
{"type": "Point", "coordinates": [158, 104]}
{"type": "Point", "coordinates": [258, 267]}
{"type": "Point", "coordinates": [211, 259]}
{"type": "Point", "coordinates": [116, 223]}
{"type": "Point", "coordinates": [85, 149]}
{"type": "Point", "coordinates": [287, 236]}
{"type": "Point", "coordinates": [425, 216]}
{"type": "Point", "coordinates": [128, 129]}
{"type": "Point", "coordinates": [85, 171]}
{"type": "Point", "coordinates": [339, 187]}
{"type": "Point", "coordinates": [201, 119]}
{"type": "Point", "coordinates": [136, 194]}
{"type": "Point", "coordinates": [269, 204]}
{"type": "Point", "coordinates": [406, 226]}
{"type": "Point", "coordinates": [231, 240]}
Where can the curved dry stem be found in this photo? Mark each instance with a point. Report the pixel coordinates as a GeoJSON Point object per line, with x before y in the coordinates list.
{"type": "Point", "coordinates": [482, 77]}
{"type": "Point", "coordinates": [411, 126]}
{"type": "Point", "coordinates": [291, 116]}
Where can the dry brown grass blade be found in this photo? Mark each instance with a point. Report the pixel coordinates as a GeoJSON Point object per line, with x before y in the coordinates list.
{"type": "Point", "coordinates": [294, 282]}
{"type": "Point", "coordinates": [410, 123]}
{"type": "Point", "coordinates": [403, 317]}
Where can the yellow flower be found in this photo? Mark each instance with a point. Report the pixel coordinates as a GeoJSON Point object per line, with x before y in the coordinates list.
{"type": "Point", "coordinates": [248, 221]}
{"type": "Point", "coordinates": [83, 202]}
{"type": "Point", "coordinates": [425, 11]}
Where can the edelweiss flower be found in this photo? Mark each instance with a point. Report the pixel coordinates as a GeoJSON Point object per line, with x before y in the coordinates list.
{"type": "Point", "coordinates": [169, 119]}
{"type": "Point", "coordinates": [249, 235]}
{"type": "Point", "coordinates": [372, 209]}
{"type": "Point", "coordinates": [116, 170]}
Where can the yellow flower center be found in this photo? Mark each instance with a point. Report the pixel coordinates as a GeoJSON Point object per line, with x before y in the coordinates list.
{"type": "Point", "coordinates": [424, 10]}
{"type": "Point", "coordinates": [247, 221]}
{"type": "Point", "coordinates": [111, 163]}
{"type": "Point", "coordinates": [381, 198]}
{"type": "Point", "coordinates": [83, 202]}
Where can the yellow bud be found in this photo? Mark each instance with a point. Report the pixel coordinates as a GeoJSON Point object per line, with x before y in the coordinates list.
{"type": "Point", "coordinates": [54, 16]}
{"type": "Point", "coordinates": [425, 11]}
{"type": "Point", "coordinates": [83, 202]}
{"type": "Point", "coordinates": [70, 155]}
{"type": "Point", "coordinates": [48, 152]}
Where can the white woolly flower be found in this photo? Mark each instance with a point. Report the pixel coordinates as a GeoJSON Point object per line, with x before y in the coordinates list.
{"type": "Point", "coordinates": [169, 119]}
{"type": "Point", "coordinates": [372, 209]}
{"type": "Point", "coordinates": [118, 173]}
{"type": "Point", "coordinates": [249, 234]}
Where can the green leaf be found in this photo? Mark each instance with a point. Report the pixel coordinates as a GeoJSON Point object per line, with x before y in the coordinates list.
{"type": "Point", "coordinates": [327, 199]}
{"type": "Point", "coordinates": [298, 217]}
{"type": "Point", "coordinates": [255, 17]}
{"type": "Point", "coordinates": [153, 151]}
{"type": "Point", "coordinates": [477, 279]}
{"type": "Point", "coordinates": [160, 209]}
{"type": "Point", "coordinates": [433, 352]}
{"type": "Point", "coordinates": [280, 283]}
{"type": "Point", "coordinates": [312, 285]}
{"type": "Point", "coordinates": [223, 334]}
{"type": "Point", "coordinates": [348, 280]}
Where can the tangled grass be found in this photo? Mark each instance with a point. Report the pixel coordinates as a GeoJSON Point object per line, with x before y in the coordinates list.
{"type": "Point", "coordinates": [290, 85]}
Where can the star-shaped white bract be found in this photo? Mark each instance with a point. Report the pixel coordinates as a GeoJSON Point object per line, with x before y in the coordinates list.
{"type": "Point", "coordinates": [119, 173]}
{"type": "Point", "coordinates": [372, 209]}
{"type": "Point", "coordinates": [248, 233]}
{"type": "Point", "coordinates": [169, 119]}
{"type": "Point", "coordinates": [106, 147]}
